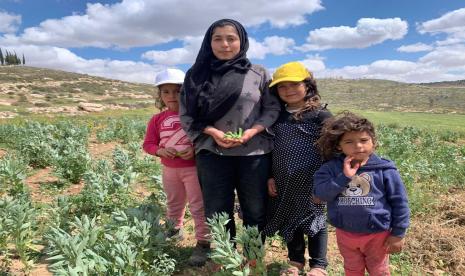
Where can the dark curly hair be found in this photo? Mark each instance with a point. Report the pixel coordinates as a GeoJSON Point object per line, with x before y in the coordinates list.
{"type": "Point", "coordinates": [334, 128]}
{"type": "Point", "coordinates": [312, 98]}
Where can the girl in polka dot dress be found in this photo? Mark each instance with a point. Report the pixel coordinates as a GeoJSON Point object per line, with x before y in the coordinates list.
{"type": "Point", "coordinates": [293, 212]}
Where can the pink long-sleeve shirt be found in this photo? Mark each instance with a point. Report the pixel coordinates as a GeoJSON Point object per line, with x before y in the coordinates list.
{"type": "Point", "coordinates": [164, 131]}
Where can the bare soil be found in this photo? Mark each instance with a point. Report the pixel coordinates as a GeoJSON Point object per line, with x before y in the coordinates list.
{"type": "Point", "coordinates": [100, 150]}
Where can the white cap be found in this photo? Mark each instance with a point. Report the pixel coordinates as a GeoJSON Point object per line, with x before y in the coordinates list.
{"type": "Point", "coordinates": [169, 75]}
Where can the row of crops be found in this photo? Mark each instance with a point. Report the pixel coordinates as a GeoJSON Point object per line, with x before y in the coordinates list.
{"type": "Point", "coordinates": [108, 228]}
{"type": "Point", "coordinates": [105, 228]}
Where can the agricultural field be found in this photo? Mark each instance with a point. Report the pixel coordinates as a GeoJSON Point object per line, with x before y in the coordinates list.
{"type": "Point", "coordinates": [79, 197]}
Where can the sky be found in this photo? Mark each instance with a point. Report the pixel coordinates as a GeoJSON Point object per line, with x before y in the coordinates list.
{"type": "Point", "coordinates": [410, 41]}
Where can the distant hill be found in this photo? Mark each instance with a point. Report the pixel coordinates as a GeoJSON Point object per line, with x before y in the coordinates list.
{"type": "Point", "coordinates": [457, 83]}
{"type": "Point", "coordinates": [25, 90]}
{"type": "Point", "coordinates": [385, 95]}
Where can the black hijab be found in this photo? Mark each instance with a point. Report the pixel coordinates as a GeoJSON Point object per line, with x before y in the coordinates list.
{"type": "Point", "coordinates": [212, 86]}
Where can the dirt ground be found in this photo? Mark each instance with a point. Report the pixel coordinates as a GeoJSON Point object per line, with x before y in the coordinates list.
{"type": "Point", "coordinates": [438, 241]}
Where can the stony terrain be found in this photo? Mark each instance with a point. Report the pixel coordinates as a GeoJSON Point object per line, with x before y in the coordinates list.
{"type": "Point", "coordinates": [28, 90]}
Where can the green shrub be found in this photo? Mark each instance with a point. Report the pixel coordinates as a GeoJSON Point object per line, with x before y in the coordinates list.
{"type": "Point", "coordinates": [72, 162]}
{"type": "Point", "coordinates": [130, 243]}
{"type": "Point", "coordinates": [12, 174]}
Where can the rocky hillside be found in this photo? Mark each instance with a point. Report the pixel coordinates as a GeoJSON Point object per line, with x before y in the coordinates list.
{"type": "Point", "coordinates": [29, 90]}
{"type": "Point", "coordinates": [384, 95]}
{"type": "Point", "coordinates": [25, 90]}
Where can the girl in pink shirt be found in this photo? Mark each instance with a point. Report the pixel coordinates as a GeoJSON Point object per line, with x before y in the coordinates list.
{"type": "Point", "coordinates": [166, 139]}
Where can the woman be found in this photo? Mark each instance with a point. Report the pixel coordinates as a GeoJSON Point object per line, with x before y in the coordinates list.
{"type": "Point", "coordinates": [224, 92]}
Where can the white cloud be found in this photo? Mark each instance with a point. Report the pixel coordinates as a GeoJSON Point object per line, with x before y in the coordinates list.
{"type": "Point", "coordinates": [397, 70]}
{"type": "Point", "coordinates": [314, 63]}
{"type": "Point", "coordinates": [413, 48]}
{"type": "Point", "coordinates": [451, 40]}
{"type": "Point", "coordinates": [392, 67]}
{"type": "Point", "coordinates": [185, 55]}
{"type": "Point", "coordinates": [275, 45]}
{"type": "Point", "coordinates": [450, 22]}
{"type": "Point", "coordinates": [63, 59]}
{"type": "Point", "coordinates": [369, 31]}
{"type": "Point", "coordinates": [446, 57]}
{"type": "Point", "coordinates": [143, 22]}
{"type": "Point", "coordinates": [9, 22]}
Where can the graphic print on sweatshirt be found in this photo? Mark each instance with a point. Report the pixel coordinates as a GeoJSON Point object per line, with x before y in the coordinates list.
{"type": "Point", "coordinates": [172, 135]}
{"type": "Point", "coordinates": [356, 191]}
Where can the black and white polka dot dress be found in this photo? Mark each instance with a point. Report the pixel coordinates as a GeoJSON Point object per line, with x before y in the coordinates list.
{"type": "Point", "coordinates": [295, 160]}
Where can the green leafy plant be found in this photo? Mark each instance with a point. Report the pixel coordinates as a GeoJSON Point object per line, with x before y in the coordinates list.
{"type": "Point", "coordinates": [123, 166]}
{"type": "Point", "coordinates": [105, 190]}
{"type": "Point", "coordinates": [75, 253]}
{"type": "Point", "coordinates": [125, 130]}
{"type": "Point", "coordinates": [18, 227]}
{"type": "Point", "coordinates": [131, 242]}
{"type": "Point", "coordinates": [72, 161]}
{"type": "Point", "coordinates": [253, 249]}
{"type": "Point", "coordinates": [223, 252]}
{"type": "Point", "coordinates": [35, 144]}
{"type": "Point", "coordinates": [251, 262]}
{"type": "Point", "coordinates": [12, 174]}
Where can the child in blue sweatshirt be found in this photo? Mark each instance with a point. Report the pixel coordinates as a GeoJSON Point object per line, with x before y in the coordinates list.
{"type": "Point", "coordinates": [366, 198]}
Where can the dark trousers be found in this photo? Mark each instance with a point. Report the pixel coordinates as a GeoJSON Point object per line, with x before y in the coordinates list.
{"type": "Point", "coordinates": [317, 247]}
{"type": "Point", "coordinates": [220, 175]}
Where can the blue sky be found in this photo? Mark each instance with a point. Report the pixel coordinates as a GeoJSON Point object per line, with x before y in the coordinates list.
{"type": "Point", "coordinates": [407, 41]}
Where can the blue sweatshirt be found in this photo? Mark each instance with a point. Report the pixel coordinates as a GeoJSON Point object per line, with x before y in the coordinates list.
{"type": "Point", "coordinates": [374, 200]}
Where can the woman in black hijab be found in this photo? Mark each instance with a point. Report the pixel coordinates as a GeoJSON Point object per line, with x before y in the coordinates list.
{"type": "Point", "coordinates": [224, 92]}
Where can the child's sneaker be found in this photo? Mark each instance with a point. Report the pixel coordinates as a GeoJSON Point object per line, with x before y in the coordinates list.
{"type": "Point", "coordinates": [200, 254]}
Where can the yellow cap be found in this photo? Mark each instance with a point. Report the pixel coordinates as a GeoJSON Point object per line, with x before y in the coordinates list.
{"type": "Point", "coordinates": [292, 71]}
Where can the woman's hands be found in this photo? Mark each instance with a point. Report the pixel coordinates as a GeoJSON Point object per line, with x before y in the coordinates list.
{"type": "Point", "coordinates": [223, 142]}
{"type": "Point", "coordinates": [218, 136]}
{"type": "Point", "coordinates": [248, 134]}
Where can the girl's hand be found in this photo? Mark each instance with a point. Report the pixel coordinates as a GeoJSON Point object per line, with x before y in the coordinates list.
{"type": "Point", "coordinates": [186, 154]}
{"type": "Point", "coordinates": [394, 244]}
{"type": "Point", "coordinates": [349, 167]}
{"type": "Point", "coordinates": [316, 200]}
{"type": "Point", "coordinates": [166, 153]}
{"type": "Point", "coordinates": [272, 191]}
